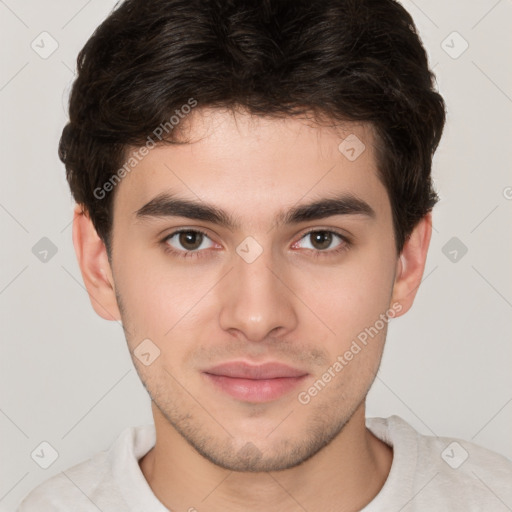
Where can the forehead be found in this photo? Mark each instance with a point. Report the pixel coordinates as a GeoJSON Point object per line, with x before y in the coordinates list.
{"type": "Point", "coordinates": [255, 165]}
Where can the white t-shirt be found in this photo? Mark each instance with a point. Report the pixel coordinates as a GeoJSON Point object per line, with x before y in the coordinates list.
{"type": "Point", "coordinates": [427, 474]}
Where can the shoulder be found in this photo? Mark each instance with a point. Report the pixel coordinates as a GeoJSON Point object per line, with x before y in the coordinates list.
{"type": "Point", "coordinates": [73, 488]}
{"type": "Point", "coordinates": [91, 484]}
{"type": "Point", "coordinates": [448, 471]}
{"type": "Point", "coordinates": [478, 474]}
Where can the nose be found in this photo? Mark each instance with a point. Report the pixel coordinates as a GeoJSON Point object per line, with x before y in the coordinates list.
{"type": "Point", "coordinates": [256, 299]}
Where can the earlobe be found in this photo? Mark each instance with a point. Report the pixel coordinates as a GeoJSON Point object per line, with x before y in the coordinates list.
{"type": "Point", "coordinates": [411, 264]}
{"type": "Point", "coordinates": [96, 272]}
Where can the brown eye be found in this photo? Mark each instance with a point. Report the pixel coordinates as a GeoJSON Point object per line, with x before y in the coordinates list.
{"type": "Point", "coordinates": [187, 240]}
{"type": "Point", "coordinates": [321, 243]}
{"type": "Point", "coordinates": [190, 240]}
{"type": "Point", "coordinates": [321, 240]}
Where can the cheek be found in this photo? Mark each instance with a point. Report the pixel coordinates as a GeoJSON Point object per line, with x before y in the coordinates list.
{"type": "Point", "coordinates": [161, 298]}
{"type": "Point", "coordinates": [351, 306]}
{"type": "Point", "coordinates": [351, 296]}
{"type": "Point", "coordinates": [146, 294]}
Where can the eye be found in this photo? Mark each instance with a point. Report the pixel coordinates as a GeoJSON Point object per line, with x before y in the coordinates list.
{"type": "Point", "coordinates": [186, 241]}
{"type": "Point", "coordinates": [322, 240]}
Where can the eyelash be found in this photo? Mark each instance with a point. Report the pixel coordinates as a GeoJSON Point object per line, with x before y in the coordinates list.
{"type": "Point", "coordinates": [344, 246]}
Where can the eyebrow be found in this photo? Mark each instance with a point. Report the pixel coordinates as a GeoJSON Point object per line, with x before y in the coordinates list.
{"type": "Point", "coordinates": [167, 205]}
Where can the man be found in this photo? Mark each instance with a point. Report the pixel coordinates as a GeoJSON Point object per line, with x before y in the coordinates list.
{"type": "Point", "coordinates": [254, 197]}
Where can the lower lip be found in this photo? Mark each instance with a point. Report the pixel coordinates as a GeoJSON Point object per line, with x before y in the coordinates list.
{"type": "Point", "coordinates": [250, 390]}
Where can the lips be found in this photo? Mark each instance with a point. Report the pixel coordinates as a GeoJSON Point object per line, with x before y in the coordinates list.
{"type": "Point", "coordinates": [242, 370]}
{"type": "Point", "coordinates": [254, 383]}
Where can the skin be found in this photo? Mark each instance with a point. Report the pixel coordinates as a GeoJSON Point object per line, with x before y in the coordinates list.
{"type": "Point", "coordinates": [214, 452]}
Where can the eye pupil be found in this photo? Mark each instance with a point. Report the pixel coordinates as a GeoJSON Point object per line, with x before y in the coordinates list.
{"type": "Point", "coordinates": [324, 238]}
{"type": "Point", "coordinates": [187, 238]}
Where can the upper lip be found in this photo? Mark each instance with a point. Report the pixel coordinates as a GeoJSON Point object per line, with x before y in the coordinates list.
{"type": "Point", "coordinates": [242, 370]}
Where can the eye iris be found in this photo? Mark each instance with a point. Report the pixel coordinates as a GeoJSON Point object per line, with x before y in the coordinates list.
{"type": "Point", "coordinates": [187, 238]}
{"type": "Point", "coordinates": [323, 238]}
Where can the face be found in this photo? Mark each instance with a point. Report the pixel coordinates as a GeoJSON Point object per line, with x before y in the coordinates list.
{"type": "Point", "coordinates": [311, 292]}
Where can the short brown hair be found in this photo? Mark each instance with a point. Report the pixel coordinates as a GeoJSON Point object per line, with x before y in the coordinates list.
{"type": "Point", "coordinates": [355, 60]}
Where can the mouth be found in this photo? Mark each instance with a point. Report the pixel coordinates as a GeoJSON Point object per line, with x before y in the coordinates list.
{"type": "Point", "coordinates": [250, 383]}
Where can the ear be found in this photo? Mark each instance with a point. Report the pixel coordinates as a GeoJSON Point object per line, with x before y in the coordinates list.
{"type": "Point", "coordinates": [94, 265]}
{"type": "Point", "coordinates": [411, 264]}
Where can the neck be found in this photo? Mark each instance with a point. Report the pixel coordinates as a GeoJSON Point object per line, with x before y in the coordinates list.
{"type": "Point", "coordinates": [344, 476]}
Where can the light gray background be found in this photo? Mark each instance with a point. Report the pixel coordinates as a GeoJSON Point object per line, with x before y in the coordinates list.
{"type": "Point", "coordinates": [66, 375]}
